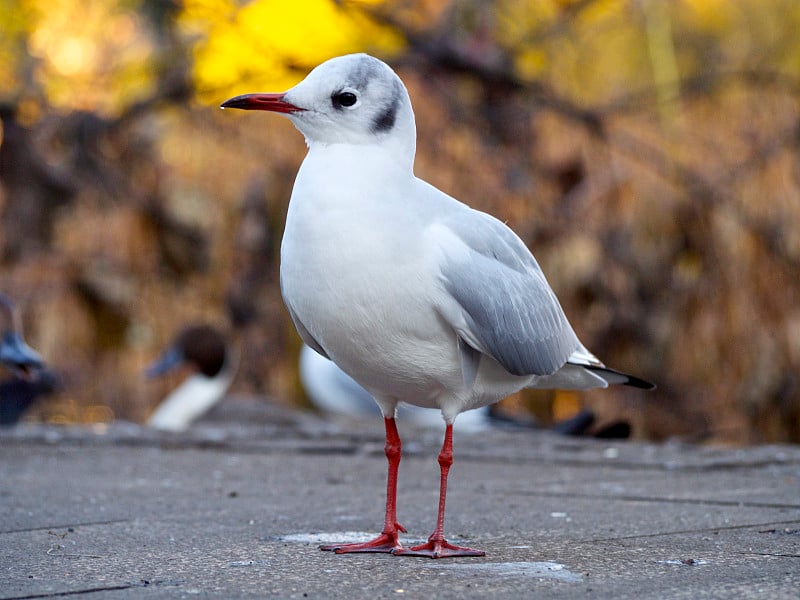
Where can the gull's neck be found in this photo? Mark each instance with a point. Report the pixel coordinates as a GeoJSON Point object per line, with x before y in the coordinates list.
{"type": "Point", "coordinates": [399, 145]}
{"type": "Point", "coordinates": [343, 162]}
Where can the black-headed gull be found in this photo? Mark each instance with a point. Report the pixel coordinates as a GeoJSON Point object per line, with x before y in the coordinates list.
{"type": "Point", "coordinates": [415, 295]}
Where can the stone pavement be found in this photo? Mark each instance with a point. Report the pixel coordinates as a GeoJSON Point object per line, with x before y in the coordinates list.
{"type": "Point", "coordinates": [237, 507]}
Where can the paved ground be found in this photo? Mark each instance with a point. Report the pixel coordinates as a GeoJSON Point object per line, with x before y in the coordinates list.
{"type": "Point", "coordinates": [236, 509]}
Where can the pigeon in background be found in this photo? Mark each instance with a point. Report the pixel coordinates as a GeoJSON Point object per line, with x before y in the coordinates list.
{"type": "Point", "coordinates": [29, 379]}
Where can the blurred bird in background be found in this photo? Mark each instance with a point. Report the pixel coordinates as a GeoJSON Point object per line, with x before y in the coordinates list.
{"type": "Point", "coordinates": [29, 378]}
{"type": "Point", "coordinates": [202, 349]}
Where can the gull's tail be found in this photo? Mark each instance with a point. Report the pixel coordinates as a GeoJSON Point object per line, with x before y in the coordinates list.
{"type": "Point", "coordinates": [584, 371]}
{"type": "Point", "coordinates": [616, 377]}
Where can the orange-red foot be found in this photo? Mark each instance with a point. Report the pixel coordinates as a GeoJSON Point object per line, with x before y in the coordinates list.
{"type": "Point", "coordinates": [438, 549]}
{"type": "Point", "coordinates": [385, 542]}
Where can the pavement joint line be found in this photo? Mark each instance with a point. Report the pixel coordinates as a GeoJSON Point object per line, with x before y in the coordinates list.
{"type": "Point", "coordinates": [594, 462]}
{"type": "Point", "coordinates": [249, 448]}
{"type": "Point", "coordinates": [774, 554]}
{"type": "Point", "coordinates": [342, 444]}
{"type": "Point", "coordinates": [590, 462]}
{"type": "Point", "coordinates": [65, 594]}
{"type": "Point", "coordinates": [687, 531]}
{"type": "Point", "coordinates": [653, 499]}
{"type": "Point", "coordinates": [62, 526]}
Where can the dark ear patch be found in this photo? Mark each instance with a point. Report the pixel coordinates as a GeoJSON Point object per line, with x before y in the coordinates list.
{"type": "Point", "coordinates": [385, 120]}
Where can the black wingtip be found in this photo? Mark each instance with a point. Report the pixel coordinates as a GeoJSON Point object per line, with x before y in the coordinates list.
{"type": "Point", "coordinates": [630, 380]}
{"type": "Point", "coordinates": [639, 383]}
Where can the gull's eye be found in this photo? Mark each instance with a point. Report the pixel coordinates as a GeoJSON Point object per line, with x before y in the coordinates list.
{"type": "Point", "coordinates": [344, 99]}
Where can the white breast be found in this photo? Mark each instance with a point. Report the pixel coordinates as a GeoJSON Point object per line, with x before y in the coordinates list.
{"type": "Point", "coordinates": [352, 281]}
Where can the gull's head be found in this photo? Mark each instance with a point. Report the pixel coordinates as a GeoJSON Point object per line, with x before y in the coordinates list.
{"type": "Point", "coordinates": [353, 99]}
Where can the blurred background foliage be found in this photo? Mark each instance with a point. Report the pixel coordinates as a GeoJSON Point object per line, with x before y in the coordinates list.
{"type": "Point", "coordinates": [646, 150]}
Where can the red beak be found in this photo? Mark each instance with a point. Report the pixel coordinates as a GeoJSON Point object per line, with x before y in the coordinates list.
{"type": "Point", "coordinates": [270, 102]}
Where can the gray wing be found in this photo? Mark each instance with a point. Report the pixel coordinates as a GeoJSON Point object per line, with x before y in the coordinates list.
{"type": "Point", "coordinates": [511, 313]}
{"type": "Point", "coordinates": [305, 334]}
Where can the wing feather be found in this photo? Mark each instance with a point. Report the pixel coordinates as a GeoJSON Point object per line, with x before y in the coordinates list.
{"type": "Point", "coordinates": [510, 311]}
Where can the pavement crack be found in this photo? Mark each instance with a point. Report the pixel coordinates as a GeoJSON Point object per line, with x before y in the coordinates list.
{"type": "Point", "coordinates": [67, 593]}
{"type": "Point", "coordinates": [621, 464]}
{"type": "Point", "coordinates": [774, 554]}
{"type": "Point", "coordinates": [67, 526]}
{"type": "Point", "coordinates": [656, 499]}
{"type": "Point", "coordinates": [687, 531]}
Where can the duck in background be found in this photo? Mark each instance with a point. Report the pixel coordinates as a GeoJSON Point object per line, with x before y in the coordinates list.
{"type": "Point", "coordinates": [203, 349]}
{"type": "Point", "coordinates": [29, 378]}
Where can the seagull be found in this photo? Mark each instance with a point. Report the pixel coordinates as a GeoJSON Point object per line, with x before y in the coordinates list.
{"type": "Point", "coordinates": [418, 297]}
{"type": "Point", "coordinates": [203, 349]}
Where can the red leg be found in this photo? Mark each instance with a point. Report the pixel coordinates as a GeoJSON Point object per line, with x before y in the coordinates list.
{"type": "Point", "coordinates": [437, 546]}
{"type": "Point", "coordinates": [388, 540]}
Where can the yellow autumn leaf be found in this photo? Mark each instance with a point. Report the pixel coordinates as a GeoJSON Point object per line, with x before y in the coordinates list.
{"type": "Point", "coordinates": [271, 44]}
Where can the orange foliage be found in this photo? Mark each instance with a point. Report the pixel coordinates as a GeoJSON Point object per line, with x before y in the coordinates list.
{"type": "Point", "coordinates": [647, 153]}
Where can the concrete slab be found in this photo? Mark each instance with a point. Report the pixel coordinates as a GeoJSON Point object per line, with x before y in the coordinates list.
{"type": "Point", "coordinates": [237, 510]}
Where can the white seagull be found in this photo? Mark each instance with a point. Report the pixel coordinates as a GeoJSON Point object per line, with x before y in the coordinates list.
{"type": "Point", "coordinates": [412, 293]}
